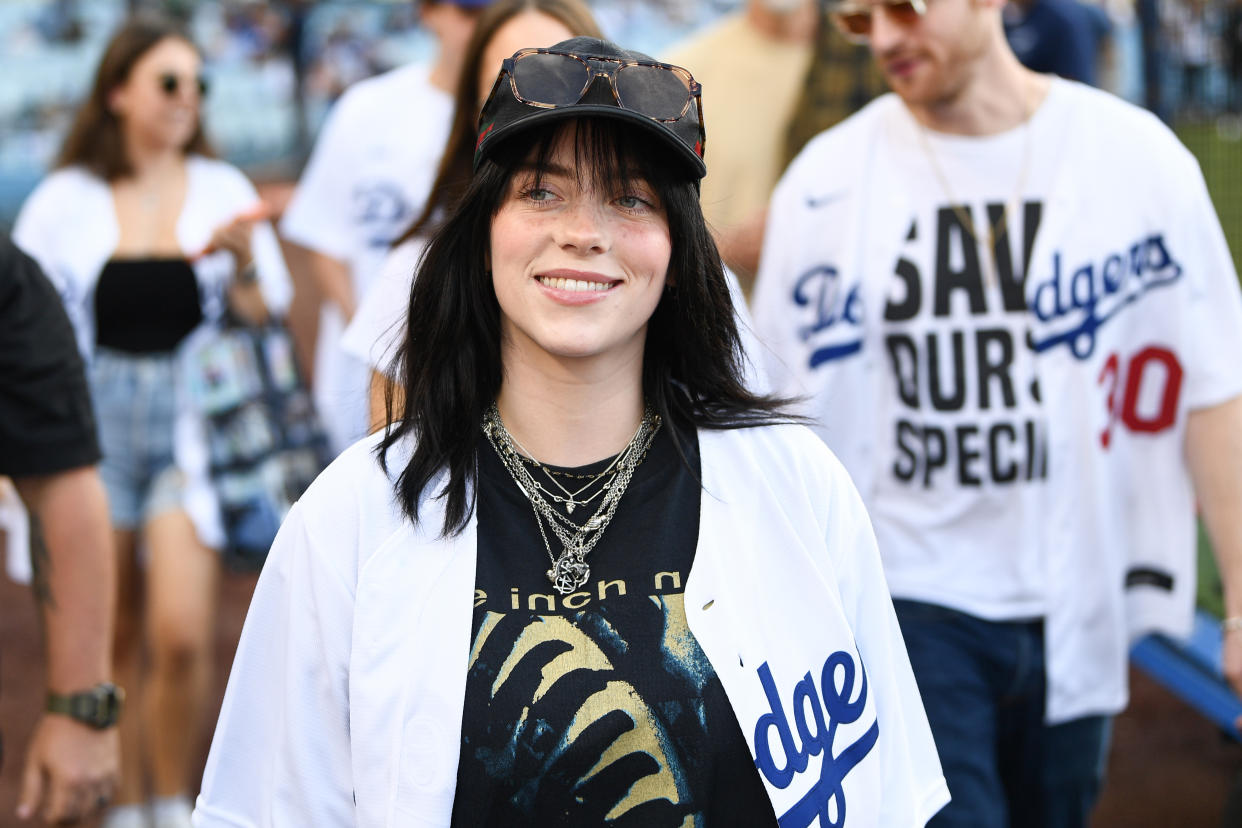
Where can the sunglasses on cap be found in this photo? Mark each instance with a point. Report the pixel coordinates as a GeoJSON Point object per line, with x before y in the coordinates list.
{"type": "Point", "coordinates": [171, 84]}
{"type": "Point", "coordinates": [586, 77]}
{"type": "Point", "coordinates": [854, 19]}
{"type": "Point", "coordinates": [549, 79]}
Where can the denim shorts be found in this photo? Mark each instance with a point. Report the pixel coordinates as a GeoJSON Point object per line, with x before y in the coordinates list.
{"type": "Point", "coordinates": [135, 407]}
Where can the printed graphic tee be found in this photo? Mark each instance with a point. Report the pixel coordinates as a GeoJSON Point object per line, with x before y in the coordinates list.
{"type": "Point", "coordinates": [965, 438]}
{"type": "Point", "coordinates": [597, 707]}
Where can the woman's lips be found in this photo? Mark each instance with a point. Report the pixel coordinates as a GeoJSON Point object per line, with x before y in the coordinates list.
{"type": "Point", "coordinates": [574, 287]}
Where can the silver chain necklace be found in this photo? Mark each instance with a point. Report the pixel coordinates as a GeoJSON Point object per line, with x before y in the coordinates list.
{"type": "Point", "coordinates": [570, 569]}
{"type": "Point", "coordinates": [569, 501]}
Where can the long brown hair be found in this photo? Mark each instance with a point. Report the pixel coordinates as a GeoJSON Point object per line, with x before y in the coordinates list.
{"type": "Point", "coordinates": [456, 164]}
{"type": "Point", "coordinates": [95, 140]}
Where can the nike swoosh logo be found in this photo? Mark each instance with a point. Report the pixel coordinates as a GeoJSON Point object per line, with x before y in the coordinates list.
{"type": "Point", "coordinates": [815, 202]}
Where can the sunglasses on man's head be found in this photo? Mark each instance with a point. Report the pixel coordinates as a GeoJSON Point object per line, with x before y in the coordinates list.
{"type": "Point", "coordinates": [854, 19]}
{"type": "Point", "coordinates": [171, 84]}
{"type": "Point", "coordinates": [549, 79]}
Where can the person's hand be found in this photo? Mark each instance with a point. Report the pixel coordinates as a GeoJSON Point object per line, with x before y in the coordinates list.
{"type": "Point", "coordinates": [71, 770]}
{"type": "Point", "coordinates": [234, 236]}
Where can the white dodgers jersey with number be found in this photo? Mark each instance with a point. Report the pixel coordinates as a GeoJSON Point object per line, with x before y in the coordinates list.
{"type": "Point", "coordinates": [1133, 319]}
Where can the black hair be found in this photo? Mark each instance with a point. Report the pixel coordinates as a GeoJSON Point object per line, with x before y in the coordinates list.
{"type": "Point", "coordinates": [450, 360]}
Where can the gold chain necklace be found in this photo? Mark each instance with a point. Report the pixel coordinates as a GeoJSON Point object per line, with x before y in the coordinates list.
{"type": "Point", "coordinates": [1001, 223]}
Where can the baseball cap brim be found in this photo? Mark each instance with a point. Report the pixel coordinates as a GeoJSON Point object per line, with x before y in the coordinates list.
{"type": "Point", "coordinates": [505, 116]}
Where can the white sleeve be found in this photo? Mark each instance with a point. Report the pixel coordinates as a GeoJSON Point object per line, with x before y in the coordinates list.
{"type": "Point", "coordinates": [772, 325]}
{"type": "Point", "coordinates": [317, 216]}
{"type": "Point", "coordinates": [378, 327]}
{"type": "Point", "coordinates": [1214, 311]}
{"type": "Point", "coordinates": [37, 231]}
{"type": "Point", "coordinates": [281, 752]}
{"type": "Point", "coordinates": [754, 373]}
{"type": "Point", "coordinates": [914, 785]}
{"type": "Point", "coordinates": [269, 262]}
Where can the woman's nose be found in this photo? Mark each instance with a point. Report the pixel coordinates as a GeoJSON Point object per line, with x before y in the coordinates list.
{"type": "Point", "coordinates": [583, 228]}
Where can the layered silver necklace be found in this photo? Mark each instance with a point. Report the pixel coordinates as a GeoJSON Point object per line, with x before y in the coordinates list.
{"type": "Point", "coordinates": [570, 569]}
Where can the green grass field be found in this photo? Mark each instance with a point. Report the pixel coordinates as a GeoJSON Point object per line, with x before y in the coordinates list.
{"type": "Point", "coordinates": [1220, 155]}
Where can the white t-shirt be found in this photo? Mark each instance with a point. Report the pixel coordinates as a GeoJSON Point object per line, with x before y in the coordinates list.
{"type": "Point", "coordinates": [365, 184]}
{"type": "Point", "coordinates": [1134, 319]}
{"type": "Point", "coordinates": [965, 433]}
{"type": "Point", "coordinates": [378, 326]}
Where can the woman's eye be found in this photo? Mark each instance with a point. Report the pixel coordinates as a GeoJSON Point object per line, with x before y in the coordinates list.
{"type": "Point", "coordinates": [539, 194]}
{"type": "Point", "coordinates": [632, 202]}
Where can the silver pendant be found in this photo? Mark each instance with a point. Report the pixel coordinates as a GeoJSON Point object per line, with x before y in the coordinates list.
{"type": "Point", "coordinates": [569, 571]}
{"type": "Point", "coordinates": [569, 506]}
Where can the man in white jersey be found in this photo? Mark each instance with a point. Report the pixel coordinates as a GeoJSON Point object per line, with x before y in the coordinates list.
{"type": "Point", "coordinates": [1011, 309]}
{"type": "Point", "coordinates": [365, 183]}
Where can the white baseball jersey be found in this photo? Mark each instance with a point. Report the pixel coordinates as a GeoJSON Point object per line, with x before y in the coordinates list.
{"type": "Point", "coordinates": [365, 184]}
{"type": "Point", "coordinates": [346, 698]}
{"type": "Point", "coordinates": [1016, 427]}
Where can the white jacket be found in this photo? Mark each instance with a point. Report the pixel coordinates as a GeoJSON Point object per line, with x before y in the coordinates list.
{"type": "Point", "coordinates": [346, 698]}
{"type": "Point", "coordinates": [68, 225]}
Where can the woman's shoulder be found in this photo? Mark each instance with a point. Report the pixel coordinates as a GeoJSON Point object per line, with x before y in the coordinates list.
{"type": "Point", "coordinates": [65, 185]}
{"type": "Point", "coordinates": [68, 202]}
{"type": "Point", "coordinates": [778, 448]}
{"type": "Point", "coordinates": [353, 501]}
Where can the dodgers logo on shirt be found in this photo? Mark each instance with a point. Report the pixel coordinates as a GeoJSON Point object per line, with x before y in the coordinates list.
{"type": "Point", "coordinates": [1075, 301]}
{"type": "Point", "coordinates": [837, 314]}
{"type": "Point", "coordinates": [828, 704]}
{"type": "Point", "coordinates": [382, 211]}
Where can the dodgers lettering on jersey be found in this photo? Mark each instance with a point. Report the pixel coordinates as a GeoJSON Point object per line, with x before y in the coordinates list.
{"type": "Point", "coordinates": [381, 210]}
{"type": "Point", "coordinates": [834, 306]}
{"type": "Point", "coordinates": [831, 704]}
{"type": "Point", "coordinates": [1074, 308]}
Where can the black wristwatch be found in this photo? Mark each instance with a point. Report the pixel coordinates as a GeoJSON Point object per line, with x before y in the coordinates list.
{"type": "Point", "coordinates": [99, 707]}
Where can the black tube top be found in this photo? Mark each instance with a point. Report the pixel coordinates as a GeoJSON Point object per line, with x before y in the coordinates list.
{"type": "Point", "coordinates": [145, 306]}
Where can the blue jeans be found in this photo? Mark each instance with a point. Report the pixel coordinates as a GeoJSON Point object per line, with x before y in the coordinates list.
{"type": "Point", "coordinates": [135, 407]}
{"type": "Point", "coordinates": [983, 686]}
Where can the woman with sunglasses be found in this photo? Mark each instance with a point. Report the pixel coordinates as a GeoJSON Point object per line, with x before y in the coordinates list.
{"type": "Point", "coordinates": [146, 237]}
{"type": "Point", "coordinates": [585, 577]}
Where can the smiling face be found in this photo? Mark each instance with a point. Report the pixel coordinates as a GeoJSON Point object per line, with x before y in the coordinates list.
{"type": "Point", "coordinates": [158, 104]}
{"type": "Point", "coordinates": [578, 265]}
{"type": "Point", "coordinates": [932, 60]}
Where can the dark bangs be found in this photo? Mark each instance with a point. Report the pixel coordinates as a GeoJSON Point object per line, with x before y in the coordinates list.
{"type": "Point", "coordinates": [608, 154]}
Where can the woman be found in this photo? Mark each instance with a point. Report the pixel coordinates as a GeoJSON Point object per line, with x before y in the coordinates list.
{"type": "Point", "coordinates": [585, 577]}
{"type": "Point", "coordinates": [503, 27]}
{"type": "Point", "coordinates": [146, 237]}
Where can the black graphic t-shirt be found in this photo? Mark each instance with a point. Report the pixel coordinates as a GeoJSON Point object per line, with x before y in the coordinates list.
{"type": "Point", "coordinates": [597, 707]}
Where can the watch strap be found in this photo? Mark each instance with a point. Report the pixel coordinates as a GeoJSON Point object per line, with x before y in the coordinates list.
{"type": "Point", "coordinates": [99, 707]}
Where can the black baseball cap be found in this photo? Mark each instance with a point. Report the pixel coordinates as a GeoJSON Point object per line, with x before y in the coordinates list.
{"type": "Point", "coordinates": [504, 115]}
